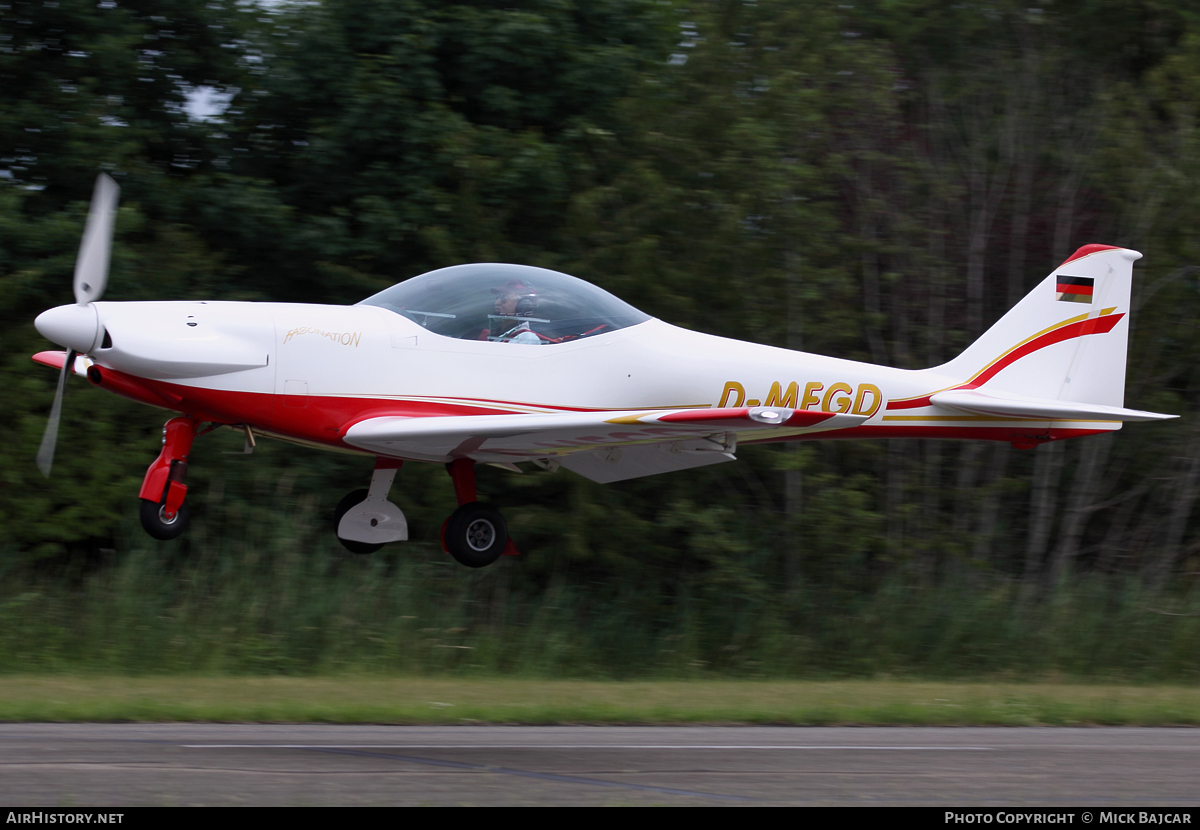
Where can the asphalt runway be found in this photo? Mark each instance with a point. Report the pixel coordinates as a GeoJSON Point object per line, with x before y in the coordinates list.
{"type": "Point", "coordinates": [102, 765]}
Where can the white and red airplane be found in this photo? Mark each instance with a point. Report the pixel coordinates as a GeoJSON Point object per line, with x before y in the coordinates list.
{"type": "Point", "coordinates": [503, 364]}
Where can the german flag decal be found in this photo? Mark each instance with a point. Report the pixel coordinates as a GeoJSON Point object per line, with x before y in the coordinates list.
{"type": "Point", "coordinates": [1074, 289]}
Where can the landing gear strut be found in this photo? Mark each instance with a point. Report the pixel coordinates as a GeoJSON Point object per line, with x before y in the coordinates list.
{"type": "Point", "coordinates": [475, 534]}
{"type": "Point", "coordinates": [164, 511]}
{"type": "Point", "coordinates": [365, 520]}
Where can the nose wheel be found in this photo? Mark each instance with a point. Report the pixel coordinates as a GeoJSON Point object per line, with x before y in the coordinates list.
{"type": "Point", "coordinates": [160, 524]}
{"type": "Point", "coordinates": [475, 534]}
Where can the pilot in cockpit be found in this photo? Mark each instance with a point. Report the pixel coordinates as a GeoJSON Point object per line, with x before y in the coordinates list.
{"type": "Point", "coordinates": [516, 302]}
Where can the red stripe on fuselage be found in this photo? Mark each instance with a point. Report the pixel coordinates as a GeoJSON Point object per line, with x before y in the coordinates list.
{"type": "Point", "coordinates": [1093, 325]}
{"type": "Point", "coordinates": [323, 419]}
{"type": "Point", "coordinates": [319, 418]}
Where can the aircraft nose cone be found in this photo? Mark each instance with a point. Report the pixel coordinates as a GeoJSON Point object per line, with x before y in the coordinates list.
{"type": "Point", "coordinates": [74, 326]}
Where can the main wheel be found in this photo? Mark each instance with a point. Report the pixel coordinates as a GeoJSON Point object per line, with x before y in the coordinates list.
{"type": "Point", "coordinates": [348, 501]}
{"type": "Point", "coordinates": [154, 523]}
{"type": "Point", "coordinates": [475, 534]}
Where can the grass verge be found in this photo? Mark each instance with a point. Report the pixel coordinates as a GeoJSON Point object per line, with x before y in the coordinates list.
{"type": "Point", "coordinates": [473, 700]}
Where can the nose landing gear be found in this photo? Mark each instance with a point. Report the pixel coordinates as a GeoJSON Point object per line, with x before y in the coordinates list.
{"type": "Point", "coordinates": [164, 511]}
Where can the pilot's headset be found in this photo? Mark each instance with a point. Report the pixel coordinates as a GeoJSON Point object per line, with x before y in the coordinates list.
{"type": "Point", "coordinates": [527, 305]}
{"type": "Point", "coordinates": [527, 299]}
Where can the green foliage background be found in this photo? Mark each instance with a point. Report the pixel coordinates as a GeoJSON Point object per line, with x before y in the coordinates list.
{"type": "Point", "coordinates": [876, 181]}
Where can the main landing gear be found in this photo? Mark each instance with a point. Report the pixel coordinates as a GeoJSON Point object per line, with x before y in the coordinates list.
{"type": "Point", "coordinates": [475, 534]}
{"type": "Point", "coordinates": [365, 520]}
{"type": "Point", "coordinates": [164, 510]}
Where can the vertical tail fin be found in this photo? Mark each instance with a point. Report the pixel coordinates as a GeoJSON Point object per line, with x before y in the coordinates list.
{"type": "Point", "coordinates": [1065, 341]}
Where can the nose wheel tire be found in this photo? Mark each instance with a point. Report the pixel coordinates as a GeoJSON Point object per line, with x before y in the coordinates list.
{"type": "Point", "coordinates": [155, 522]}
{"type": "Point", "coordinates": [348, 501]}
{"type": "Point", "coordinates": [475, 534]}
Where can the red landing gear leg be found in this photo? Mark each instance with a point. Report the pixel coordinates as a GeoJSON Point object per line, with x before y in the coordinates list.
{"type": "Point", "coordinates": [164, 510]}
{"type": "Point", "coordinates": [475, 534]}
{"type": "Point", "coordinates": [462, 473]}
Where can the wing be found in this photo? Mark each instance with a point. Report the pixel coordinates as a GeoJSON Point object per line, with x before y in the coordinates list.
{"type": "Point", "coordinates": [602, 446]}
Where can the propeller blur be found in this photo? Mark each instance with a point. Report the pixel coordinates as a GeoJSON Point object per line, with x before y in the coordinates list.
{"type": "Point", "coordinates": [70, 325]}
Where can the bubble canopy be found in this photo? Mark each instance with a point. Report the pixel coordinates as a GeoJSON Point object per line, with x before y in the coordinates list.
{"type": "Point", "coordinates": [507, 303]}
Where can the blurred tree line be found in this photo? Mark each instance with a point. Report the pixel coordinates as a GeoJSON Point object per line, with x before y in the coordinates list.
{"type": "Point", "coordinates": [878, 181]}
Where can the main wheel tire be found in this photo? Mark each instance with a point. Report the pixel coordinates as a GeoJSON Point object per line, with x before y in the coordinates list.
{"type": "Point", "coordinates": [348, 501]}
{"type": "Point", "coordinates": [476, 534]}
{"type": "Point", "coordinates": [154, 523]}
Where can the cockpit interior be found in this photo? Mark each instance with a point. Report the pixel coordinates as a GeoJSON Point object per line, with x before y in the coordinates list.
{"type": "Point", "coordinates": [503, 303]}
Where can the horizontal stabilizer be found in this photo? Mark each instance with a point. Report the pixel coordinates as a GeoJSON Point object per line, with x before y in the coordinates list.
{"type": "Point", "coordinates": [978, 402]}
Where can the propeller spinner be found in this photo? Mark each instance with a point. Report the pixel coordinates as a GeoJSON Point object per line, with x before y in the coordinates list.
{"type": "Point", "coordinates": [78, 327]}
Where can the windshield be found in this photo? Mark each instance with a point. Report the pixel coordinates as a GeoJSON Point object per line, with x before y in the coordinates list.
{"type": "Point", "coordinates": [507, 303]}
